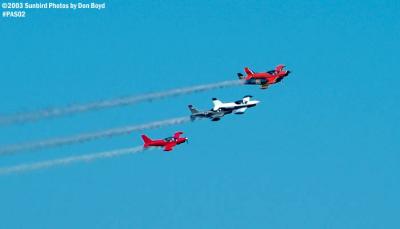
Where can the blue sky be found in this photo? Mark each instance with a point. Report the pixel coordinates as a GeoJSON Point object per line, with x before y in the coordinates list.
{"type": "Point", "coordinates": [320, 151]}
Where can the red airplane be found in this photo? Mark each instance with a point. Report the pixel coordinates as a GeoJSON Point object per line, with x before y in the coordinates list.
{"type": "Point", "coordinates": [264, 78]}
{"type": "Point", "coordinates": [168, 143]}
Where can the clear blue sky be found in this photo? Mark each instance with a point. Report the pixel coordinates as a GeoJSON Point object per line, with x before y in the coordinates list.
{"type": "Point", "coordinates": [320, 151]}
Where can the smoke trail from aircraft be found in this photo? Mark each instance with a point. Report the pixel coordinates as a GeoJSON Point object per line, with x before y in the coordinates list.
{"type": "Point", "coordinates": [89, 136]}
{"type": "Point", "coordinates": [129, 100]}
{"type": "Point", "coordinates": [69, 160]}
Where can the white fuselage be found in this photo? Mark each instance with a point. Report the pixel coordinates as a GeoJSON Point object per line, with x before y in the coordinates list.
{"type": "Point", "coordinates": [235, 106]}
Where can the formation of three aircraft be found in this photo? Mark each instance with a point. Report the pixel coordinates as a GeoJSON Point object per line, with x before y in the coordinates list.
{"type": "Point", "coordinates": [264, 79]}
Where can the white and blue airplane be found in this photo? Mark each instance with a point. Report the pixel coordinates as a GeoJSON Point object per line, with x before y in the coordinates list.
{"type": "Point", "coordinates": [220, 109]}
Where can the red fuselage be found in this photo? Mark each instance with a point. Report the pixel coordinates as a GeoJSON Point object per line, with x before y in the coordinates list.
{"type": "Point", "coordinates": [163, 142]}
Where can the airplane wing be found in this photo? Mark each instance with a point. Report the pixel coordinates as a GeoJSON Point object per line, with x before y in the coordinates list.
{"type": "Point", "coordinates": [177, 134]}
{"type": "Point", "coordinates": [217, 103]}
{"type": "Point", "coordinates": [264, 86]}
{"type": "Point", "coordinates": [217, 116]}
{"type": "Point", "coordinates": [279, 67]}
{"type": "Point", "coordinates": [246, 98]}
{"type": "Point", "coordinates": [240, 110]}
{"type": "Point", "coordinates": [169, 146]}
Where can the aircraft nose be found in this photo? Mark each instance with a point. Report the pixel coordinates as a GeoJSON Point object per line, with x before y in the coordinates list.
{"type": "Point", "coordinates": [187, 140]}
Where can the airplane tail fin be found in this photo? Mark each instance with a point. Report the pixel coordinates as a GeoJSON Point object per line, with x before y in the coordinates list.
{"type": "Point", "coordinates": [248, 71]}
{"type": "Point", "coordinates": [146, 140]}
{"type": "Point", "coordinates": [193, 110]}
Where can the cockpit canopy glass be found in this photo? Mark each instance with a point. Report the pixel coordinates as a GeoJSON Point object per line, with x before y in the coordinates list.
{"type": "Point", "coordinates": [169, 139]}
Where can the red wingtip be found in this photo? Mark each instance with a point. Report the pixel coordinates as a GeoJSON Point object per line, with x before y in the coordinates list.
{"type": "Point", "coordinates": [280, 67]}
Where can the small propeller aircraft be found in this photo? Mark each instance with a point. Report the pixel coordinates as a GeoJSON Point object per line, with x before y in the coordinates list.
{"type": "Point", "coordinates": [220, 109]}
{"type": "Point", "coordinates": [168, 143]}
{"type": "Point", "coordinates": [264, 78]}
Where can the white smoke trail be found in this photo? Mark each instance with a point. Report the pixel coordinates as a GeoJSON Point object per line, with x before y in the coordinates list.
{"type": "Point", "coordinates": [89, 136]}
{"type": "Point", "coordinates": [79, 108]}
{"type": "Point", "coordinates": [69, 160]}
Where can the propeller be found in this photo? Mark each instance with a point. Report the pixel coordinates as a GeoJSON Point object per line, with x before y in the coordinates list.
{"type": "Point", "coordinates": [187, 140]}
